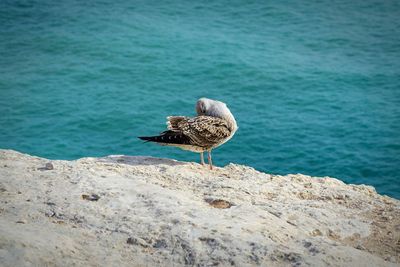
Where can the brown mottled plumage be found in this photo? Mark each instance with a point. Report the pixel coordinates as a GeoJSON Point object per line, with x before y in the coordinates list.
{"type": "Point", "coordinates": [203, 131]}
{"type": "Point", "coordinates": [213, 126]}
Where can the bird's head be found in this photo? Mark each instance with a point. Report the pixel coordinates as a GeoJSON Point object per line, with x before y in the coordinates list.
{"type": "Point", "coordinates": [210, 107]}
{"type": "Point", "coordinates": [202, 105]}
{"type": "Point", "coordinates": [215, 108]}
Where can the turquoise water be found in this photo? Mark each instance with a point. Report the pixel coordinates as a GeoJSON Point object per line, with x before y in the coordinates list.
{"type": "Point", "coordinates": [314, 85]}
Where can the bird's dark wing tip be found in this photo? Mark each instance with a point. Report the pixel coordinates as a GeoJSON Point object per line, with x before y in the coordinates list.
{"type": "Point", "coordinates": [145, 138]}
{"type": "Point", "coordinates": [167, 137]}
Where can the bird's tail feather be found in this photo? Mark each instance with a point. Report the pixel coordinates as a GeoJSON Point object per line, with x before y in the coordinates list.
{"type": "Point", "coordinates": [167, 137]}
{"type": "Point", "coordinates": [146, 138]}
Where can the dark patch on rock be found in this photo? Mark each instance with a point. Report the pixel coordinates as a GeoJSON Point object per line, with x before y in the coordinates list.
{"type": "Point", "coordinates": [50, 213]}
{"type": "Point", "coordinates": [333, 235]}
{"type": "Point", "coordinates": [137, 241]}
{"type": "Point", "coordinates": [316, 232]}
{"type": "Point", "coordinates": [209, 241]}
{"type": "Point", "coordinates": [254, 258]}
{"type": "Point", "coordinates": [276, 213]}
{"type": "Point", "coordinates": [219, 203]}
{"type": "Point", "coordinates": [160, 244]}
{"type": "Point", "coordinates": [189, 254]}
{"type": "Point", "coordinates": [258, 252]}
{"type": "Point", "coordinates": [292, 257]}
{"type": "Point", "coordinates": [91, 197]}
{"type": "Point", "coordinates": [77, 219]}
{"type": "Point", "coordinates": [313, 250]}
{"type": "Point", "coordinates": [131, 241]}
{"type": "Point", "coordinates": [360, 247]}
{"type": "Point", "coordinates": [49, 166]}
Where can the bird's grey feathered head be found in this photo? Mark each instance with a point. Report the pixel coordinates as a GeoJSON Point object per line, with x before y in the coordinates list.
{"type": "Point", "coordinates": [202, 106]}
{"type": "Point", "coordinates": [214, 108]}
{"type": "Point", "coordinates": [209, 107]}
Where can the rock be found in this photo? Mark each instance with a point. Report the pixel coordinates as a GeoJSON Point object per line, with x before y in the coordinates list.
{"type": "Point", "coordinates": [161, 212]}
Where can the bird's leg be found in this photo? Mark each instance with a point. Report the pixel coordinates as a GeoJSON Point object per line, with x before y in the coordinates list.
{"type": "Point", "coordinates": [202, 158]}
{"type": "Point", "coordinates": [210, 160]}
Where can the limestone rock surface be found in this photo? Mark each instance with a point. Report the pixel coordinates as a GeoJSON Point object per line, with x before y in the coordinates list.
{"type": "Point", "coordinates": [144, 211]}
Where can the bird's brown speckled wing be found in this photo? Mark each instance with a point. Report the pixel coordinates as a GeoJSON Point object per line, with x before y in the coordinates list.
{"type": "Point", "coordinates": [204, 131]}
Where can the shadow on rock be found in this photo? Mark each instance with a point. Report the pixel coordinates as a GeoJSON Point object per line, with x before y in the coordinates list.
{"type": "Point", "coordinates": [141, 160]}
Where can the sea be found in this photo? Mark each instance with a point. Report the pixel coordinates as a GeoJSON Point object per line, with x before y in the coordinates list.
{"type": "Point", "coordinates": [314, 85]}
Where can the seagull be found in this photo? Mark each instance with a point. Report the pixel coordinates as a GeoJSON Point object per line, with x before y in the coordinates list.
{"type": "Point", "coordinates": [213, 126]}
